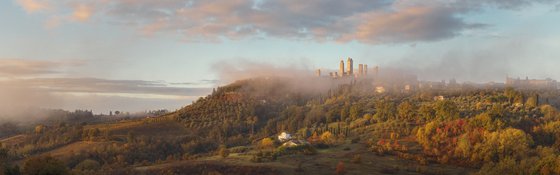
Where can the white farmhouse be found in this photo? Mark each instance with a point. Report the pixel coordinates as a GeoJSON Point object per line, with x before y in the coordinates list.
{"type": "Point", "coordinates": [284, 137]}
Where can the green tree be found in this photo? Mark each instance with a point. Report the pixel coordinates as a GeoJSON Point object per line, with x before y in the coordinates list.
{"type": "Point", "coordinates": [355, 112]}
{"type": "Point", "coordinates": [426, 112]}
{"type": "Point", "coordinates": [406, 110]}
{"type": "Point", "coordinates": [384, 110]}
{"type": "Point", "coordinates": [446, 110]}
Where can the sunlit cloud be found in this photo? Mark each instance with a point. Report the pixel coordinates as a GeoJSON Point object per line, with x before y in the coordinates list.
{"type": "Point", "coordinates": [366, 21]}
{"type": "Point", "coordinates": [26, 68]}
{"type": "Point", "coordinates": [32, 6]}
{"type": "Point", "coordinates": [82, 12]}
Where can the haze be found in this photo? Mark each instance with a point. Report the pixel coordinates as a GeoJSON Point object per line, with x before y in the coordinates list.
{"type": "Point", "coordinates": [140, 55]}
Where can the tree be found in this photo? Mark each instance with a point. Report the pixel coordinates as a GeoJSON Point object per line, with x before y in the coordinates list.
{"type": "Point", "coordinates": [314, 138]}
{"type": "Point", "coordinates": [340, 169]}
{"type": "Point", "coordinates": [223, 151]}
{"type": "Point", "coordinates": [107, 135]}
{"type": "Point", "coordinates": [88, 164]}
{"type": "Point", "coordinates": [266, 143]}
{"type": "Point", "coordinates": [498, 145]}
{"type": "Point", "coordinates": [130, 137]}
{"type": "Point", "coordinates": [39, 129]}
{"type": "Point", "coordinates": [252, 120]}
{"type": "Point", "coordinates": [3, 154]}
{"type": "Point", "coordinates": [343, 114]}
{"type": "Point", "coordinates": [446, 110]}
{"type": "Point", "coordinates": [532, 101]}
{"type": "Point", "coordinates": [3, 158]}
{"type": "Point", "coordinates": [357, 159]}
{"type": "Point", "coordinates": [426, 112]}
{"type": "Point", "coordinates": [327, 138]}
{"type": "Point", "coordinates": [355, 111]}
{"type": "Point", "coordinates": [405, 110]}
{"type": "Point", "coordinates": [384, 110]}
{"type": "Point", "coordinates": [93, 133]}
{"type": "Point", "coordinates": [45, 165]}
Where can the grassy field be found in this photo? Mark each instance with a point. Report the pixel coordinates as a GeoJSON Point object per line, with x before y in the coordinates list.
{"type": "Point", "coordinates": [325, 163]}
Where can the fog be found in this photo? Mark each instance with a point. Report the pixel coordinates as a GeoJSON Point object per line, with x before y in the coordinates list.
{"type": "Point", "coordinates": [22, 100]}
{"type": "Point", "coordinates": [489, 59]}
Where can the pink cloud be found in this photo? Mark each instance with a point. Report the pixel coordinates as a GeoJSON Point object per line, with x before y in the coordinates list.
{"type": "Point", "coordinates": [31, 6]}
{"type": "Point", "coordinates": [366, 21]}
{"type": "Point", "coordinates": [82, 12]}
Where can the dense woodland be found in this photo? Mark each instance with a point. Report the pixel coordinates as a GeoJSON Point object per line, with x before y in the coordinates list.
{"type": "Point", "coordinates": [491, 131]}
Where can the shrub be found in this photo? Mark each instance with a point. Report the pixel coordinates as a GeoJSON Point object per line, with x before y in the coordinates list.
{"type": "Point", "coordinates": [340, 169]}
{"type": "Point", "coordinates": [357, 159]}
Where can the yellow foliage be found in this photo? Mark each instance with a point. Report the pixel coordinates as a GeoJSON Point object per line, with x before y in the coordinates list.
{"type": "Point", "coordinates": [266, 143]}
{"type": "Point", "coordinates": [327, 137]}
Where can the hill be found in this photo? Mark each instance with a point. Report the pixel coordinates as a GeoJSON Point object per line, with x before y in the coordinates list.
{"type": "Point", "coordinates": [335, 126]}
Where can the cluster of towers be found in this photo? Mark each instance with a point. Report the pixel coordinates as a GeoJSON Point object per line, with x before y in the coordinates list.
{"type": "Point", "coordinates": [348, 70]}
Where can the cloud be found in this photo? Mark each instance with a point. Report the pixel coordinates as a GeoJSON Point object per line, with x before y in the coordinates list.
{"type": "Point", "coordinates": [489, 61]}
{"type": "Point", "coordinates": [24, 68]}
{"type": "Point", "coordinates": [20, 94]}
{"type": "Point", "coordinates": [366, 21]}
{"type": "Point", "coordinates": [32, 6]}
{"type": "Point", "coordinates": [230, 71]}
{"type": "Point", "coordinates": [96, 85]}
{"type": "Point", "coordinates": [27, 83]}
{"type": "Point", "coordinates": [82, 12]}
{"type": "Point", "coordinates": [408, 25]}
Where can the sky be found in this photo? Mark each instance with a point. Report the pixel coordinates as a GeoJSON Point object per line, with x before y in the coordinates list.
{"type": "Point", "coordinates": [134, 55]}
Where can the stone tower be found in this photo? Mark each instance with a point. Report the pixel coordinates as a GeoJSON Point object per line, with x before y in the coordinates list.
{"type": "Point", "coordinates": [350, 65]}
{"type": "Point", "coordinates": [365, 69]}
{"type": "Point", "coordinates": [360, 70]}
{"type": "Point", "coordinates": [341, 71]}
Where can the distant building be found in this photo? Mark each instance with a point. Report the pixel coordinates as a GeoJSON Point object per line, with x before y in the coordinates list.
{"type": "Point", "coordinates": [360, 70]}
{"type": "Point", "coordinates": [318, 72]}
{"type": "Point", "coordinates": [365, 69]}
{"type": "Point", "coordinates": [341, 71]}
{"type": "Point", "coordinates": [380, 89]}
{"type": "Point", "coordinates": [350, 64]}
{"type": "Point", "coordinates": [439, 98]}
{"type": "Point", "coordinates": [283, 137]}
{"type": "Point", "coordinates": [407, 87]}
{"type": "Point", "coordinates": [294, 143]}
{"type": "Point", "coordinates": [532, 83]}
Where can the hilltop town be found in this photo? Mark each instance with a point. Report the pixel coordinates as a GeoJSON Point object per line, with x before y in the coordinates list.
{"type": "Point", "coordinates": [408, 82]}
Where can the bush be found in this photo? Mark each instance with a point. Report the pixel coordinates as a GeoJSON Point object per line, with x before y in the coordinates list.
{"type": "Point", "coordinates": [88, 164]}
{"type": "Point", "coordinates": [44, 165]}
{"type": "Point", "coordinates": [340, 169]}
{"type": "Point", "coordinates": [223, 151]}
{"type": "Point", "coordinates": [357, 159]}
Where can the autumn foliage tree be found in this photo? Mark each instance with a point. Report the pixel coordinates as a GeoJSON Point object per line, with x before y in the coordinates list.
{"type": "Point", "coordinates": [340, 169]}
{"type": "Point", "coordinates": [266, 143]}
